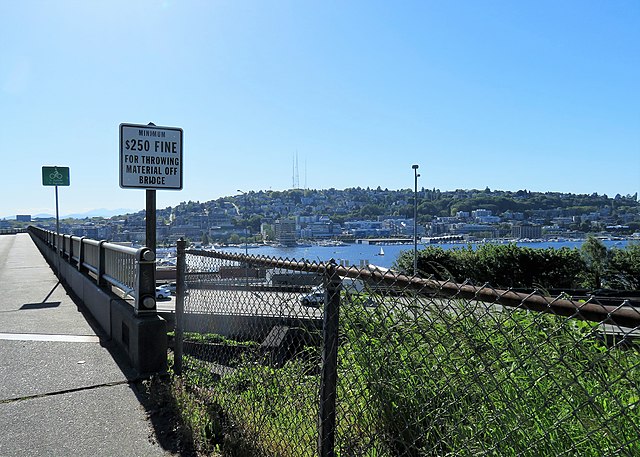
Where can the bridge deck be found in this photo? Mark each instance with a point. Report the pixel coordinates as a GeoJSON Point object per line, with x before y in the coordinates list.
{"type": "Point", "coordinates": [63, 389]}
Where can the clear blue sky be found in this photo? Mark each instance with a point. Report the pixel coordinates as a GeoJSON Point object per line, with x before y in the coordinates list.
{"type": "Point", "coordinates": [538, 95]}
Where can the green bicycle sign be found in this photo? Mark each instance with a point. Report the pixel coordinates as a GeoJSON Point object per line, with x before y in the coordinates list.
{"type": "Point", "coordinates": [55, 176]}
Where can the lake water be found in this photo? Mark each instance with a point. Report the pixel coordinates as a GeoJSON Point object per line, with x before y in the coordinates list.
{"type": "Point", "coordinates": [357, 253]}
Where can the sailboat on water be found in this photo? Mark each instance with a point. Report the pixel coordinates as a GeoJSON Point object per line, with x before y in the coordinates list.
{"type": "Point", "coordinates": [381, 252]}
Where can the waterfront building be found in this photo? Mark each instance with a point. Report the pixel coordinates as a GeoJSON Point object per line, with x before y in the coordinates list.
{"type": "Point", "coordinates": [462, 229]}
{"type": "Point", "coordinates": [526, 231]}
{"type": "Point", "coordinates": [437, 228]}
{"type": "Point", "coordinates": [400, 226]}
{"type": "Point", "coordinates": [563, 221]}
{"type": "Point", "coordinates": [285, 231]}
{"type": "Point", "coordinates": [364, 229]}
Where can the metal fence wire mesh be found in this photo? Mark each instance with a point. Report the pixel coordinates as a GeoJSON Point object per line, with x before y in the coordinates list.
{"type": "Point", "coordinates": [306, 359]}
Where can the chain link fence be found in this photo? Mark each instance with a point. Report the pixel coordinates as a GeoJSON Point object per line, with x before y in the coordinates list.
{"type": "Point", "coordinates": [302, 359]}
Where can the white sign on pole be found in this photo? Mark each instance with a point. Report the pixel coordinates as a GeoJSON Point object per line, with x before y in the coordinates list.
{"type": "Point", "coordinates": [150, 157]}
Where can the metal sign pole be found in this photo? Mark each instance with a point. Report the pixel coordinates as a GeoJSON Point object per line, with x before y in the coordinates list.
{"type": "Point", "coordinates": [56, 176]}
{"type": "Point", "coordinates": [57, 232]}
{"type": "Point", "coordinates": [151, 219]}
{"type": "Point", "coordinates": [57, 214]}
{"type": "Point", "coordinates": [151, 229]}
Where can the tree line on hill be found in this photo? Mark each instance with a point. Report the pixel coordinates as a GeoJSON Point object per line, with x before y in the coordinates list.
{"type": "Point", "coordinates": [368, 203]}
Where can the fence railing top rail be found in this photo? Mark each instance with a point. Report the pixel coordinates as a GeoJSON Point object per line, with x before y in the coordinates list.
{"type": "Point", "coordinates": [91, 242]}
{"type": "Point", "coordinates": [134, 252]}
{"type": "Point", "coordinates": [124, 249]}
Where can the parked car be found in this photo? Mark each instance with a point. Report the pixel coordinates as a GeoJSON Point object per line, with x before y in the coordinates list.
{"type": "Point", "coordinates": [162, 292]}
{"type": "Point", "coordinates": [315, 298]}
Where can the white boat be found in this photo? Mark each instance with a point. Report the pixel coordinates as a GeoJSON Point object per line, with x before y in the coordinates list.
{"type": "Point", "coordinates": [381, 252]}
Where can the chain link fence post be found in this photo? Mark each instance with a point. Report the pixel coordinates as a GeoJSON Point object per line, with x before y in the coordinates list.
{"type": "Point", "coordinates": [329, 376]}
{"type": "Point", "coordinates": [180, 289]}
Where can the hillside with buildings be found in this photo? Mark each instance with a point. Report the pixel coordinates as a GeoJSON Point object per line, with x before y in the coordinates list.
{"type": "Point", "coordinates": [288, 216]}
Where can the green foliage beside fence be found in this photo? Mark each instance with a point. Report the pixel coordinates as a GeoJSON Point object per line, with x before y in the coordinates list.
{"type": "Point", "coordinates": [256, 410]}
{"type": "Point", "coordinates": [420, 372]}
{"type": "Point", "coordinates": [429, 378]}
{"type": "Point", "coordinates": [511, 266]}
{"type": "Point", "coordinates": [465, 381]}
{"type": "Point", "coordinates": [624, 268]}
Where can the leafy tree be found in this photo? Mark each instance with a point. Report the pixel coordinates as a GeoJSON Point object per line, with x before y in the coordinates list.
{"type": "Point", "coordinates": [596, 258]}
{"type": "Point", "coordinates": [371, 211]}
{"type": "Point", "coordinates": [269, 233]}
{"type": "Point", "coordinates": [624, 268]}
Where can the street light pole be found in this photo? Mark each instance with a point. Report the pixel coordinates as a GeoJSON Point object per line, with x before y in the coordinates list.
{"type": "Point", "coordinates": [415, 220]}
{"type": "Point", "coordinates": [246, 239]}
{"type": "Point", "coordinates": [246, 224]}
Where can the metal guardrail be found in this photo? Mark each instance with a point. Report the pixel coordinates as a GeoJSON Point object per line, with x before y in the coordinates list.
{"type": "Point", "coordinates": [131, 270]}
{"type": "Point", "coordinates": [12, 231]}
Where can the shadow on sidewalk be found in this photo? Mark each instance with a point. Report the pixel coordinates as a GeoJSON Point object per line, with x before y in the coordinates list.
{"type": "Point", "coordinates": [52, 304]}
{"type": "Point", "coordinates": [152, 392]}
{"type": "Point", "coordinates": [44, 303]}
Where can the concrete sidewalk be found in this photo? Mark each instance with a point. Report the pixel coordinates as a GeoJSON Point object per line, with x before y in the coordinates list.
{"type": "Point", "coordinates": [64, 390]}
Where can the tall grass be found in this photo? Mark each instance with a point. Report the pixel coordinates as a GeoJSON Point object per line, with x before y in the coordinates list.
{"type": "Point", "coordinates": [469, 381]}
{"type": "Point", "coordinates": [425, 379]}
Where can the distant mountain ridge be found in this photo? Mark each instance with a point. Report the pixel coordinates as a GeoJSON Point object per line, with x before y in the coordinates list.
{"type": "Point", "coordinates": [100, 212]}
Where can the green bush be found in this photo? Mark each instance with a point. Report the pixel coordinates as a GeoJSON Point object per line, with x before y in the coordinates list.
{"type": "Point", "coordinates": [511, 266]}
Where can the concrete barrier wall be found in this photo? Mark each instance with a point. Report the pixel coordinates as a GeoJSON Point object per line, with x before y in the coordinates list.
{"type": "Point", "coordinates": [143, 338]}
{"type": "Point", "coordinates": [95, 300]}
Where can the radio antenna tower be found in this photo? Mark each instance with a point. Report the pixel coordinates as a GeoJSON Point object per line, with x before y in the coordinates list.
{"type": "Point", "coordinates": [296, 177]}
